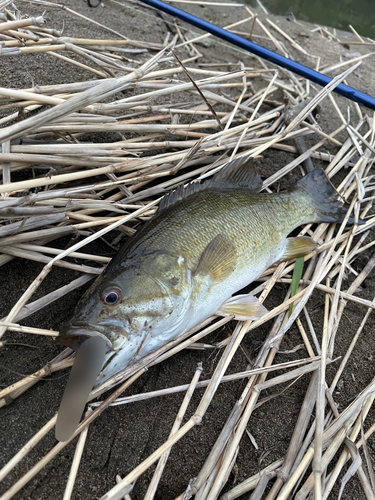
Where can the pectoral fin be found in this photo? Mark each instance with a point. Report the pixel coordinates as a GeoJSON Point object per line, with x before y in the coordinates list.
{"type": "Point", "coordinates": [218, 259]}
{"type": "Point", "coordinates": [243, 307]}
{"type": "Point", "coordinates": [298, 247]}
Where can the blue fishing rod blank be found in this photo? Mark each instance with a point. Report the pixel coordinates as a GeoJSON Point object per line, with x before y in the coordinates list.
{"type": "Point", "coordinates": [316, 77]}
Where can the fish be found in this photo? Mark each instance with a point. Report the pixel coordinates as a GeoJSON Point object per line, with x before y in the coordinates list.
{"type": "Point", "coordinates": [207, 241]}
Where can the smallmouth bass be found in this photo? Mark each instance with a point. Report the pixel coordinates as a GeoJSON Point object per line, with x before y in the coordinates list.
{"type": "Point", "coordinates": [206, 242]}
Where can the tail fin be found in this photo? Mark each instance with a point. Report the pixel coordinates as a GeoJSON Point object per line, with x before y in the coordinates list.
{"type": "Point", "coordinates": [324, 197]}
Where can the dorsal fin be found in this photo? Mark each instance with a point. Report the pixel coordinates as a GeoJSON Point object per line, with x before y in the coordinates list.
{"type": "Point", "coordinates": [238, 173]}
{"type": "Point", "coordinates": [180, 193]}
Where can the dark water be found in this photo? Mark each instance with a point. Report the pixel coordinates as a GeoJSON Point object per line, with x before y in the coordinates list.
{"type": "Point", "coordinates": [337, 13]}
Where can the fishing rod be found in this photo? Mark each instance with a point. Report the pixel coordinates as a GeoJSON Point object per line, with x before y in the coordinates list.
{"type": "Point", "coordinates": [301, 70]}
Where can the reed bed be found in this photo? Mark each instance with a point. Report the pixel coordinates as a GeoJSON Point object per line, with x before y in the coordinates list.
{"type": "Point", "coordinates": [172, 120]}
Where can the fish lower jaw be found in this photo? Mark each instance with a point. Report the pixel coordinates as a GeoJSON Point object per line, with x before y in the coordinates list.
{"type": "Point", "coordinates": [74, 338]}
{"type": "Point", "coordinates": [132, 351]}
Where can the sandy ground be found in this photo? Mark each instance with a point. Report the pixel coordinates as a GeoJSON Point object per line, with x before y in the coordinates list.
{"type": "Point", "coordinates": [124, 436]}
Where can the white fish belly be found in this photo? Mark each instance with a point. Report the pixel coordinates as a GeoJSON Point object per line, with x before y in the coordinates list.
{"type": "Point", "coordinates": [208, 301]}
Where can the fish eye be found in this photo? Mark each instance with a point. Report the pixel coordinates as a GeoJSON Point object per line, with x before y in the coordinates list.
{"type": "Point", "coordinates": [111, 296]}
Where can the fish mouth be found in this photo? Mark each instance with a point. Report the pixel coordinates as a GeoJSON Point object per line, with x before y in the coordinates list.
{"type": "Point", "coordinates": [76, 336]}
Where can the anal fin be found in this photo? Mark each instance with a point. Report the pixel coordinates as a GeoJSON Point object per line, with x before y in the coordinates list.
{"type": "Point", "coordinates": [298, 247]}
{"type": "Point", "coordinates": [243, 308]}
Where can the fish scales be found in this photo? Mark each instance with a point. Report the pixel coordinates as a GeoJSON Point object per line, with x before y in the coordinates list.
{"type": "Point", "coordinates": [253, 221]}
{"type": "Point", "coordinates": [206, 242]}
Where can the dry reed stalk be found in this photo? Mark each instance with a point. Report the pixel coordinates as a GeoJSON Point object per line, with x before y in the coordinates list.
{"type": "Point", "coordinates": [28, 447]}
{"type": "Point", "coordinates": [220, 479]}
{"type": "Point", "coordinates": [56, 251]}
{"type": "Point", "coordinates": [250, 483]}
{"type": "Point", "coordinates": [163, 460]}
{"type": "Point", "coordinates": [140, 172]}
{"type": "Point", "coordinates": [324, 460]}
{"type": "Point", "coordinates": [349, 351]}
{"type": "Point", "coordinates": [356, 283]}
{"type": "Point", "coordinates": [297, 437]}
{"type": "Point", "coordinates": [30, 40]}
{"type": "Point", "coordinates": [124, 484]}
{"type": "Point", "coordinates": [363, 140]}
{"type": "Point", "coordinates": [214, 455]}
{"type": "Point", "coordinates": [204, 383]}
{"type": "Point", "coordinates": [356, 34]}
{"type": "Point", "coordinates": [317, 464]}
{"type": "Point", "coordinates": [87, 421]}
{"type": "Point", "coordinates": [123, 127]}
{"type": "Point", "coordinates": [38, 235]}
{"type": "Point", "coordinates": [323, 134]}
{"type": "Point", "coordinates": [331, 450]}
{"type": "Point", "coordinates": [351, 411]}
{"type": "Point", "coordinates": [313, 103]}
{"type": "Point", "coordinates": [217, 79]}
{"type": "Point", "coordinates": [245, 130]}
{"type": "Point", "coordinates": [196, 419]}
{"type": "Point", "coordinates": [287, 376]}
{"type": "Point", "coordinates": [207, 35]}
{"type": "Point", "coordinates": [104, 89]}
{"type": "Point", "coordinates": [345, 63]}
{"type": "Point", "coordinates": [217, 487]}
{"type": "Point", "coordinates": [295, 44]}
{"type": "Point", "coordinates": [71, 88]}
{"type": "Point", "coordinates": [76, 460]}
{"type": "Point", "coordinates": [4, 4]}
{"type": "Point", "coordinates": [357, 43]}
{"type": "Point", "coordinates": [328, 336]}
{"type": "Point", "coordinates": [21, 23]}
{"type": "Point", "coordinates": [28, 329]}
{"type": "Point", "coordinates": [277, 44]}
{"type": "Point", "coordinates": [202, 493]}
{"type": "Point", "coordinates": [32, 183]}
{"type": "Point", "coordinates": [161, 354]}
{"type": "Point", "coordinates": [305, 338]}
{"type": "Point", "coordinates": [75, 63]}
{"type": "Point", "coordinates": [343, 295]}
{"type": "Point", "coordinates": [345, 454]}
{"type": "Point", "coordinates": [6, 166]}
{"type": "Point", "coordinates": [31, 289]}
{"type": "Point", "coordinates": [335, 313]}
{"type": "Point", "coordinates": [38, 257]}
{"type": "Point", "coordinates": [35, 377]}
{"type": "Point", "coordinates": [31, 223]}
